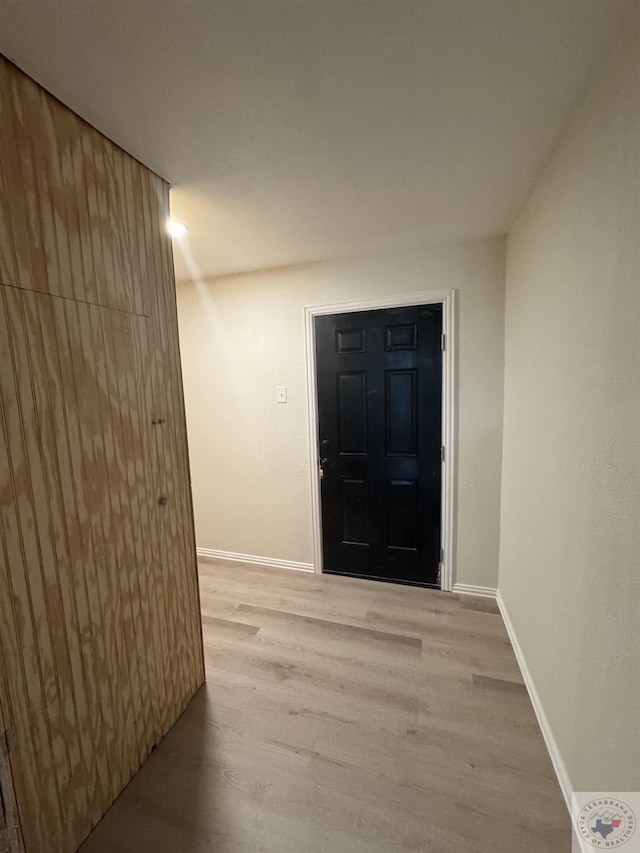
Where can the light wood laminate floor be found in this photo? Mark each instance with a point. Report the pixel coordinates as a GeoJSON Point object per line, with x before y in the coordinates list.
{"type": "Point", "coordinates": [342, 715]}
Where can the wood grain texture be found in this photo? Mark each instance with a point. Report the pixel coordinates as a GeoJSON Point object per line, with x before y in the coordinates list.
{"type": "Point", "coordinates": [10, 832]}
{"type": "Point", "coordinates": [319, 731]}
{"type": "Point", "coordinates": [99, 612]}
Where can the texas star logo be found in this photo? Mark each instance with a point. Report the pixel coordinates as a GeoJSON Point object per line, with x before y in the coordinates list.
{"type": "Point", "coordinates": [606, 824]}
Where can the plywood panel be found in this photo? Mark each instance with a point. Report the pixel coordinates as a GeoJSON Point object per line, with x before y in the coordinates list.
{"type": "Point", "coordinates": [99, 616]}
{"type": "Point", "coordinates": [10, 834]}
{"type": "Point", "coordinates": [70, 203]}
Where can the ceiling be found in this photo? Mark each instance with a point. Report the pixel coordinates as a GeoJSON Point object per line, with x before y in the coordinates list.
{"type": "Point", "coordinates": [301, 130]}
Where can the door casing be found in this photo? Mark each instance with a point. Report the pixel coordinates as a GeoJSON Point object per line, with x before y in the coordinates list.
{"type": "Point", "coordinates": [447, 298]}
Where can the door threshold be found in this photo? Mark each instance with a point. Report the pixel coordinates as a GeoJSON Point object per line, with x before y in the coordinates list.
{"type": "Point", "coordinates": [382, 580]}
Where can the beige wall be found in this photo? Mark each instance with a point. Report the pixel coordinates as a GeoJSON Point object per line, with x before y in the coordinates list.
{"type": "Point", "coordinates": [569, 573]}
{"type": "Point", "coordinates": [241, 336]}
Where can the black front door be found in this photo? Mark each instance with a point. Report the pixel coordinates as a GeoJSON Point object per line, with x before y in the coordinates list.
{"type": "Point", "coordinates": [379, 379]}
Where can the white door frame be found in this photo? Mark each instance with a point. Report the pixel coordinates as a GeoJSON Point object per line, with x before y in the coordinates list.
{"type": "Point", "coordinates": [447, 299]}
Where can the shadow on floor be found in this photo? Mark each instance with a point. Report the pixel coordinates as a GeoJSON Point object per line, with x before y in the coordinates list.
{"type": "Point", "coordinates": [170, 804]}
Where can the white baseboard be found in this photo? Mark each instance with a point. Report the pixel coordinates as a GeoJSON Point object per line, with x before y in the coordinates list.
{"type": "Point", "coordinates": [469, 589]}
{"type": "Point", "coordinates": [543, 722]}
{"type": "Point", "coordinates": [211, 554]}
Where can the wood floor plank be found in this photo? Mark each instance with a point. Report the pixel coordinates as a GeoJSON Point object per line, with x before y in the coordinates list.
{"type": "Point", "coordinates": [337, 630]}
{"type": "Point", "coordinates": [230, 625]}
{"type": "Point", "coordinates": [349, 716]}
{"type": "Point", "coordinates": [498, 683]}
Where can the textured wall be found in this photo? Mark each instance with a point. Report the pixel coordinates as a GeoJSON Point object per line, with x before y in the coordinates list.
{"type": "Point", "coordinates": [570, 544]}
{"type": "Point", "coordinates": [100, 636]}
{"type": "Point", "coordinates": [243, 335]}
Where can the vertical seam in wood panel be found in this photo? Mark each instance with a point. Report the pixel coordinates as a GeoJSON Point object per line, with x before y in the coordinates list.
{"type": "Point", "coordinates": [7, 232]}
{"type": "Point", "coordinates": [67, 173]}
{"type": "Point", "coordinates": [87, 258]}
{"type": "Point", "coordinates": [103, 636]}
{"type": "Point", "coordinates": [76, 174]}
{"type": "Point", "coordinates": [123, 740]}
{"type": "Point", "coordinates": [128, 206]}
{"type": "Point", "coordinates": [8, 801]}
{"type": "Point", "coordinates": [54, 171]}
{"type": "Point", "coordinates": [87, 164]}
{"type": "Point", "coordinates": [150, 449]}
{"type": "Point", "coordinates": [33, 232]}
{"type": "Point", "coordinates": [156, 460]}
{"type": "Point", "coordinates": [143, 249]}
{"type": "Point", "coordinates": [114, 779]}
{"type": "Point", "coordinates": [27, 587]}
{"type": "Point", "coordinates": [96, 644]}
{"type": "Point", "coordinates": [8, 705]}
{"type": "Point", "coordinates": [42, 539]}
{"type": "Point", "coordinates": [97, 323]}
{"type": "Point", "coordinates": [79, 790]}
{"type": "Point", "coordinates": [61, 114]}
{"type": "Point", "coordinates": [75, 587]}
{"type": "Point", "coordinates": [144, 425]}
{"type": "Point", "coordinates": [38, 219]}
{"type": "Point", "coordinates": [122, 579]}
{"type": "Point", "coordinates": [121, 276]}
{"type": "Point", "coordinates": [111, 349]}
{"type": "Point", "coordinates": [75, 733]}
{"type": "Point", "coordinates": [47, 224]}
{"type": "Point", "coordinates": [140, 552]}
{"type": "Point", "coordinates": [131, 394]}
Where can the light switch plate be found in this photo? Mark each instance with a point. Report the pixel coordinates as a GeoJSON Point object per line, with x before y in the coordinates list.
{"type": "Point", "coordinates": [281, 394]}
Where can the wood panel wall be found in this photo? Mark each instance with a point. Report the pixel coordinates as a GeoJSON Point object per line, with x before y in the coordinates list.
{"type": "Point", "coordinates": [100, 636]}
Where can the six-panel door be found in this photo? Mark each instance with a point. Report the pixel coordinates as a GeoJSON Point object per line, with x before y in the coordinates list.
{"type": "Point", "coordinates": [379, 380]}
